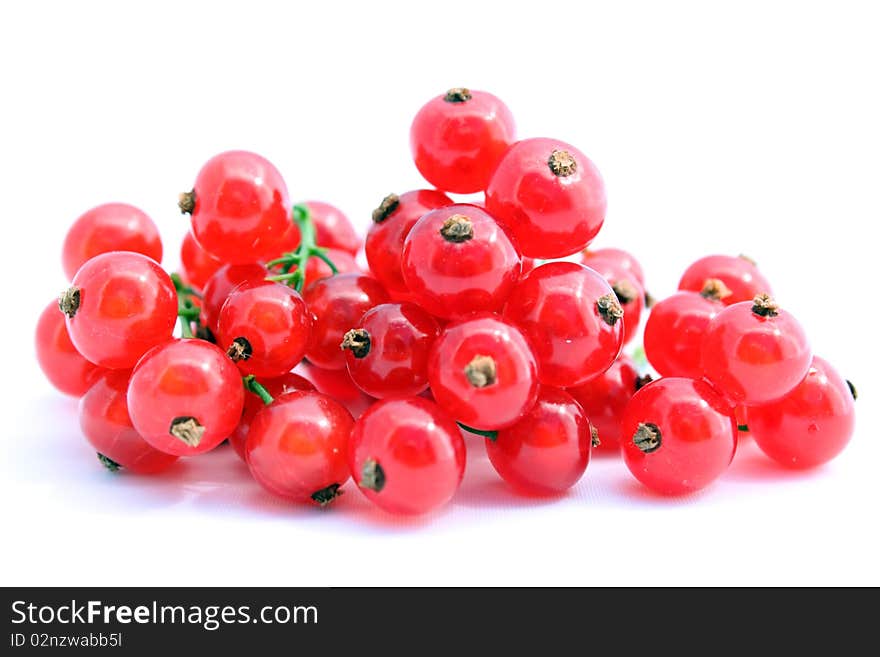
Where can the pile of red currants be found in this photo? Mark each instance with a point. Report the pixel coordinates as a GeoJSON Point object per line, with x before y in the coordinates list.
{"type": "Point", "coordinates": [490, 317]}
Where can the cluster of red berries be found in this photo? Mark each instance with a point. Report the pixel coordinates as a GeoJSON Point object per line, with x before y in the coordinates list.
{"type": "Point", "coordinates": [457, 326]}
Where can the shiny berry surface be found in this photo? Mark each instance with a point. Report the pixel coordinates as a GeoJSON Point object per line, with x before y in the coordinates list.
{"type": "Point", "coordinates": [483, 373]}
{"type": "Point", "coordinates": [265, 328]}
{"type": "Point", "coordinates": [459, 137]}
{"type": "Point", "coordinates": [739, 275]}
{"type": "Point", "coordinates": [337, 304]}
{"type": "Point", "coordinates": [185, 397]}
{"type": "Point", "coordinates": [810, 425]}
{"type": "Point", "coordinates": [548, 450]}
{"type": "Point", "coordinates": [240, 209]}
{"type": "Point", "coordinates": [572, 319]}
{"type": "Point", "coordinates": [604, 399]}
{"type": "Point", "coordinates": [109, 227]}
{"type": "Point", "coordinates": [617, 257]}
{"type": "Point", "coordinates": [392, 221]}
{"type": "Point", "coordinates": [221, 283]}
{"type": "Point", "coordinates": [276, 387]}
{"type": "Point", "coordinates": [62, 364]}
{"type": "Point", "coordinates": [120, 305]}
{"type": "Point", "coordinates": [678, 435]}
{"type": "Point", "coordinates": [550, 195]}
{"type": "Point", "coordinates": [674, 333]}
{"type": "Point", "coordinates": [196, 264]}
{"type": "Point", "coordinates": [457, 260]}
{"type": "Point", "coordinates": [297, 447]}
{"type": "Point", "coordinates": [333, 230]}
{"type": "Point", "coordinates": [104, 421]}
{"type": "Point", "coordinates": [387, 352]}
{"type": "Point", "coordinates": [754, 358]}
{"type": "Point", "coordinates": [407, 456]}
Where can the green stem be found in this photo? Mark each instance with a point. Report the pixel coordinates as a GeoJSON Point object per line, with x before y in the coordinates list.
{"type": "Point", "coordinates": [491, 435]}
{"type": "Point", "coordinates": [185, 328]}
{"type": "Point", "coordinates": [250, 383]}
{"type": "Point", "coordinates": [307, 248]}
{"type": "Point", "coordinates": [187, 311]}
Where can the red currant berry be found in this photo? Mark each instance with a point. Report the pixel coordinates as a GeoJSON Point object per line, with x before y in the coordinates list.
{"type": "Point", "coordinates": [185, 397]}
{"type": "Point", "coordinates": [550, 195]}
{"type": "Point", "coordinates": [281, 385]}
{"type": "Point", "coordinates": [675, 330]}
{"type": "Point", "coordinates": [572, 318]}
{"type": "Point", "coordinates": [811, 424]}
{"type": "Point", "coordinates": [392, 221]}
{"type": "Point", "coordinates": [337, 303]}
{"type": "Point", "coordinates": [678, 435]}
{"type": "Point", "coordinates": [339, 385]}
{"type": "Point", "coordinates": [239, 207]}
{"type": "Point", "coordinates": [604, 399]}
{"type": "Point", "coordinates": [333, 230]}
{"type": "Point", "coordinates": [297, 447]}
{"type": "Point", "coordinates": [109, 227]}
{"type": "Point", "coordinates": [406, 455]}
{"type": "Point", "coordinates": [62, 364]}
{"type": "Point", "coordinates": [387, 353]}
{"type": "Point", "coordinates": [104, 420]}
{"type": "Point", "coordinates": [196, 264]}
{"type": "Point", "coordinates": [618, 257]}
{"type": "Point", "coordinates": [221, 284]}
{"type": "Point", "coordinates": [629, 291]}
{"type": "Point", "coordinates": [457, 260]}
{"type": "Point", "coordinates": [265, 328]}
{"type": "Point", "coordinates": [483, 373]}
{"type": "Point", "coordinates": [754, 353]}
{"type": "Point", "coordinates": [120, 305]}
{"type": "Point", "coordinates": [547, 451]}
{"type": "Point", "coordinates": [457, 139]}
{"type": "Point", "coordinates": [739, 275]}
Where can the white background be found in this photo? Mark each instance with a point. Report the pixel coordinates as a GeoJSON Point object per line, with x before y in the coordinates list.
{"type": "Point", "coordinates": [719, 127]}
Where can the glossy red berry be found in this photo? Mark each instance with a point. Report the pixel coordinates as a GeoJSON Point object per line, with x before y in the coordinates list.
{"type": "Point", "coordinates": [120, 305]}
{"type": "Point", "coordinates": [109, 227]}
{"type": "Point", "coordinates": [239, 206]}
{"type": "Point", "coordinates": [753, 352]}
{"type": "Point", "coordinates": [392, 221]}
{"type": "Point", "coordinates": [457, 139]}
{"type": "Point", "coordinates": [550, 195]}
{"type": "Point", "coordinates": [678, 435]}
{"type": "Point", "coordinates": [281, 385]}
{"type": "Point", "coordinates": [406, 455]}
{"type": "Point", "coordinates": [265, 328]}
{"type": "Point", "coordinates": [739, 275]}
{"type": "Point", "coordinates": [104, 420]}
{"type": "Point", "coordinates": [62, 364]}
{"type": "Point", "coordinates": [548, 450]}
{"type": "Point", "coordinates": [297, 447]}
{"type": "Point", "coordinates": [811, 424]}
{"type": "Point", "coordinates": [185, 397]}
{"type": "Point", "coordinates": [674, 333]}
{"type": "Point", "coordinates": [604, 399]}
{"type": "Point", "coordinates": [337, 304]}
{"type": "Point", "coordinates": [572, 319]}
{"type": "Point", "coordinates": [221, 284]}
{"type": "Point", "coordinates": [618, 258]}
{"type": "Point", "coordinates": [386, 352]}
{"type": "Point", "coordinates": [333, 230]}
{"type": "Point", "coordinates": [196, 264]}
{"type": "Point", "coordinates": [629, 291]}
{"type": "Point", "coordinates": [483, 373]}
{"type": "Point", "coordinates": [457, 260]}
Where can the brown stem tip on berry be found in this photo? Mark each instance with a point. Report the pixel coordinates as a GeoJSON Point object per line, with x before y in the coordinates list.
{"type": "Point", "coordinates": [357, 341]}
{"type": "Point", "coordinates": [609, 308]}
{"type": "Point", "coordinates": [625, 291]}
{"type": "Point", "coordinates": [187, 202]}
{"type": "Point", "coordinates": [70, 300]}
{"type": "Point", "coordinates": [714, 289]}
{"type": "Point", "coordinates": [562, 163]}
{"type": "Point", "coordinates": [594, 437]}
{"type": "Point", "coordinates": [481, 371]}
{"type": "Point", "coordinates": [642, 381]}
{"type": "Point", "coordinates": [372, 476]}
{"type": "Point", "coordinates": [647, 437]}
{"type": "Point", "coordinates": [240, 349]}
{"type": "Point", "coordinates": [764, 306]}
{"type": "Point", "coordinates": [650, 301]}
{"type": "Point", "coordinates": [458, 95]}
{"type": "Point", "coordinates": [457, 228]}
{"type": "Point", "coordinates": [187, 430]}
{"type": "Point", "coordinates": [108, 463]}
{"type": "Point", "coordinates": [852, 390]}
{"type": "Point", "coordinates": [327, 495]}
{"type": "Point", "coordinates": [386, 208]}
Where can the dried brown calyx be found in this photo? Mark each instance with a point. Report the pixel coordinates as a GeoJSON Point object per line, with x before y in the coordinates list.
{"type": "Point", "coordinates": [187, 202]}
{"type": "Point", "coordinates": [594, 437]}
{"type": "Point", "coordinates": [457, 228]}
{"type": "Point", "coordinates": [763, 305]}
{"type": "Point", "coordinates": [372, 476]}
{"type": "Point", "coordinates": [187, 430]}
{"type": "Point", "coordinates": [240, 349]}
{"type": "Point", "coordinates": [609, 309]}
{"type": "Point", "coordinates": [715, 290]}
{"type": "Point", "coordinates": [648, 437]}
{"type": "Point", "coordinates": [386, 208]}
{"type": "Point", "coordinates": [458, 95]}
{"type": "Point", "coordinates": [481, 371]}
{"type": "Point", "coordinates": [626, 292]}
{"type": "Point", "coordinates": [562, 163]}
{"type": "Point", "coordinates": [70, 300]}
{"type": "Point", "coordinates": [357, 341]}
